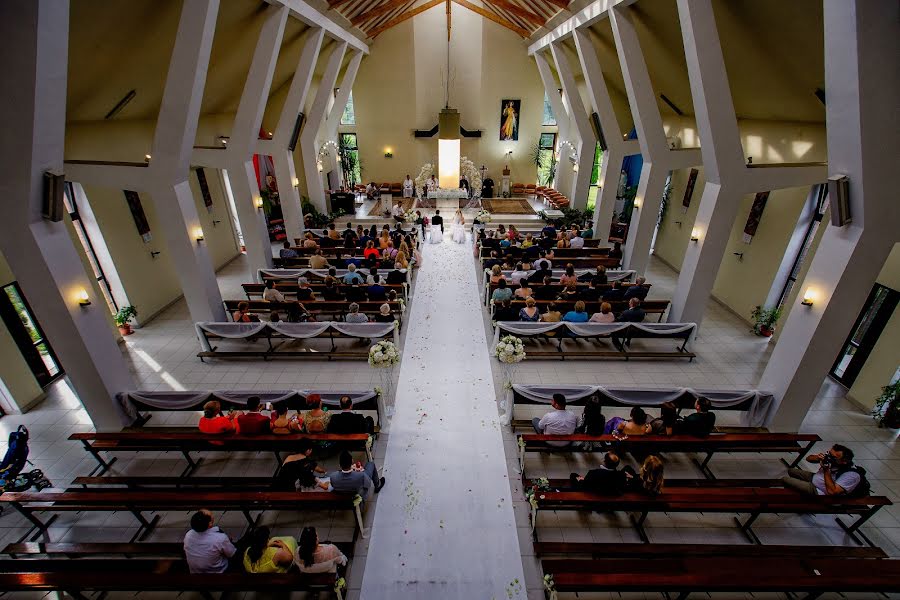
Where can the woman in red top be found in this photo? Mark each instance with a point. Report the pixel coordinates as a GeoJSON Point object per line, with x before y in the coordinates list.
{"type": "Point", "coordinates": [371, 251]}
{"type": "Point", "coordinates": [214, 422]}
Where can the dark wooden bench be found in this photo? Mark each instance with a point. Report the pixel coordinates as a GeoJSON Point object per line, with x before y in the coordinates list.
{"type": "Point", "coordinates": [581, 262]}
{"type": "Point", "coordinates": [789, 443]}
{"type": "Point", "coordinates": [173, 550]}
{"type": "Point", "coordinates": [650, 307]}
{"type": "Point", "coordinates": [334, 309]}
{"type": "Point", "coordinates": [148, 440]}
{"type": "Point", "coordinates": [138, 501]}
{"type": "Point", "coordinates": [559, 254]}
{"type": "Point", "coordinates": [683, 574]}
{"type": "Point", "coordinates": [753, 501]}
{"type": "Point", "coordinates": [747, 551]}
{"type": "Point", "coordinates": [254, 291]}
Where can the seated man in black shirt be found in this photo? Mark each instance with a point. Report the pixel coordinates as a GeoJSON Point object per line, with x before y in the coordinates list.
{"type": "Point", "coordinates": [607, 480]}
{"type": "Point", "coordinates": [548, 291]}
{"type": "Point", "coordinates": [591, 293]}
{"type": "Point", "coordinates": [541, 271]}
{"type": "Point", "coordinates": [700, 423]}
{"type": "Point", "coordinates": [615, 293]}
{"type": "Point", "coordinates": [638, 290]}
{"type": "Point", "coordinates": [355, 293]}
{"type": "Point", "coordinates": [505, 312]}
{"type": "Point", "coordinates": [348, 421]}
{"type": "Point", "coordinates": [633, 314]}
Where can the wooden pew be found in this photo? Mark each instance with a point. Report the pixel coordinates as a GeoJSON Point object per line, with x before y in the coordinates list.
{"type": "Point", "coordinates": [139, 501]}
{"type": "Point", "coordinates": [782, 443]}
{"type": "Point", "coordinates": [335, 309]}
{"type": "Point", "coordinates": [650, 307]}
{"type": "Point", "coordinates": [173, 550]}
{"type": "Point", "coordinates": [148, 440]}
{"type": "Point", "coordinates": [583, 262]}
{"type": "Point", "coordinates": [254, 291]}
{"type": "Point", "coordinates": [811, 574]}
{"type": "Point", "coordinates": [753, 501]}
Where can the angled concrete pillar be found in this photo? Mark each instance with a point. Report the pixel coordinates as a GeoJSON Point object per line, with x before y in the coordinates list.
{"type": "Point", "coordinates": [862, 87]}
{"type": "Point", "coordinates": [314, 123]}
{"type": "Point", "coordinates": [244, 135]}
{"type": "Point", "coordinates": [586, 142]}
{"type": "Point", "coordinates": [562, 117]}
{"type": "Point", "coordinates": [176, 129]}
{"type": "Point", "coordinates": [343, 96]}
{"type": "Point", "coordinates": [282, 157]}
{"type": "Point", "coordinates": [34, 53]}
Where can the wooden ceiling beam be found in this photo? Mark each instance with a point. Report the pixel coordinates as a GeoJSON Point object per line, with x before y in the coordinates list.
{"type": "Point", "coordinates": [388, 16]}
{"type": "Point", "coordinates": [492, 17]}
{"type": "Point", "coordinates": [332, 4]}
{"type": "Point", "coordinates": [558, 3]}
{"type": "Point", "coordinates": [399, 19]}
{"type": "Point", "coordinates": [376, 12]}
{"type": "Point", "coordinates": [523, 14]}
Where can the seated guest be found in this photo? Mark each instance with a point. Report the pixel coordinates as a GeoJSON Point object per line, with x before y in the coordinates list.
{"type": "Point", "coordinates": [348, 421]}
{"type": "Point", "coordinates": [370, 278]}
{"type": "Point", "coordinates": [330, 291]}
{"type": "Point", "coordinates": [252, 422]}
{"type": "Point", "coordinates": [599, 277]}
{"type": "Point", "coordinates": [295, 465]}
{"type": "Point", "coordinates": [354, 316]}
{"type": "Point", "coordinates": [576, 241]}
{"type": "Point", "coordinates": [313, 557]}
{"type": "Point", "coordinates": [502, 292]}
{"type": "Point", "coordinates": [530, 313]}
{"type": "Point", "coordinates": [356, 261]}
{"type": "Point", "coordinates": [665, 423]}
{"type": "Point", "coordinates": [389, 252]}
{"type": "Point", "coordinates": [348, 230]}
{"type": "Point", "coordinates": [315, 420]}
{"type": "Point", "coordinates": [401, 262]}
{"type": "Point", "coordinates": [558, 421]}
{"type": "Point", "coordinates": [578, 315]}
{"type": "Point", "coordinates": [836, 475]}
{"type": "Point", "coordinates": [505, 312]}
{"type": "Point", "coordinates": [493, 261]}
{"type": "Point", "coordinates": [616, 250]}
{"type": "Point", "coordinates": [286, 251]}
{"type": "Point", "coordinates": [350, 241]}
{"type": "Point", "coordinates": [308, 241]}
{"type": "Point", "coordinates": [339, 262]}
{"type": "Point", "coordinates": [543, 263]}
{"type": "Point", "coordinates": [591, 293]}
{"type": "Point", "coordinates": [650, 478]}
{"type": "Point", "coordinates": [355, 293]}
{"type": "Point", "coordinates": [304, 292]}
{"type": "Point", "coordinates": [505, 243]}
{"type": "Point", "coordinates": [592, 421]}
{"type": "Point", "coordinates": [528, 242]}
{"type": "Point", "coordinates": [396, 277]}
{"type": "Point", "coordinates": [214, 422]}
{"type": "Point", "coordinates": [351, 275]}
{"type": "Point", "coordinates": [633, 314]}
{"type": "Point", "coordinates": [551, 315]}
{"type": "Point", "coordinates": [701, 422]}
{"type": "Point", "coordinates": [606, 479]}
{"type": "Point", "coordinates": [637, 425]}
{"type": "Point", "coordinates": [297, 313]}
{"type": "Point", "coordinates": [549, 231]}
{"type": "Point", "coordinates": [569, 294]}
{"type": "Point", "coordinates": [614, 293]}
{"type": "Point", "coordinates": [518, 274]}
{"type": "Point", "coordinates": [242, 314]}
{"type": "Point", "coordinates": [318, 261]}
{"type": "Point", "coordinates": [333, 233]}
{"type": "Point", "coordinates": [547, 291]}
{"type": "Point", "coordinates": [281, 423]}
{"type": "Point", "coordinates": [266, 554]}
{"type": "Point", "coordinates": [638, 290]}
{"type": "Point", "coordinates": [206, 548]}
{"type": "Point", "coordinates": [524, 290]}
{"type": "Point", "coordinates": [497, 274]}
{"type": "Point", "coordinates": [605, 315]}
{"type": "Point", "coordinates": [509, 264]}
{"type": "Point", "coordinates": [384, 314]}
{"type": "Point", "coordinates": [371, 251]}
{"type": "Point", "coordinates": [563, 241]}
{"type": "Point", "coordinates": [360, 482]}
{"type": "Point", "coordinates": [588, 233]}
{"type": "Point", "coordinates": [376, 291]}
{"type": "Point", "coordinates": [270, 294]}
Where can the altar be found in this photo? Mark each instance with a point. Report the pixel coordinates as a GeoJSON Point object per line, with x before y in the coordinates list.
{"type": "Point", "coordinates": [447, 199]}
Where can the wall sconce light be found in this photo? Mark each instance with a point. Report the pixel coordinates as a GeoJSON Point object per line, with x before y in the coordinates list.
{"type": "Point", "coordinates": [319, 165]}
{"type": "Point", "coordinates": [624, 136]}
{"type": "Point", "coordinates": [808, 297]}
{"type": "Point", "coordinates": [575, 167]}
{"type": "Point", "coordinates": [695, 234]}
{"type": "Point", "coordinates": [258, 202]}
{"type": "Point", "coordinates": [637, 203]}
{"type": "Point", "coordinates": [147, 158]}
{"type": "Point", "coordinates": [295, 182]}
{"type": "Point", "coordinates": [83, 298]}
{"type": "Point", "coordinates": [198, 234]}
{"type": "Point", "coordinates": [388, 153]}
{"type": "Point", "coordinates": [223, 140]}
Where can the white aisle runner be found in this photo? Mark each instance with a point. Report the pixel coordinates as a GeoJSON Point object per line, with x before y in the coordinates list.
{"type": "Point", "coordinates": [444, 525]}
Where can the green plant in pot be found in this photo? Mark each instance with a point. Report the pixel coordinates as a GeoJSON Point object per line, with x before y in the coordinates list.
{"type": "Point", "coordinates": [887, 407]}
{"type": "Point", "coordinates": [122, 318]}
{"type": "Point", "coordinates": [764, 320]}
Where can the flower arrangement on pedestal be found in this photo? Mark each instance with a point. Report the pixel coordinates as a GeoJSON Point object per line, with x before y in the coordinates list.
{"type": "Point", "coordinates": [409, 216]}
{"type": "Point", "coordinates": [425, 174]}
{"type": "Point", "coordinates": [384, 356]}
{"type": "Point", "coordinates": [483, 217]}
{"type": "Point", "coordinates": [466, 167]}
{"type": "Point", "coordinates": [509, 351]}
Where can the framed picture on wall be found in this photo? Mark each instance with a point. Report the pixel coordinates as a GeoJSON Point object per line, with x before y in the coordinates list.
{"type": "Point", "coordinates": [756, 211]}
{"type": "Point", "coordinates": [509, 120]}
{"type": "Point", "coordinates": [137, 213]}
{"type": "Point", "coordinates": [204, 189]}
{"type": "Point", "coordinates": [689, 190]}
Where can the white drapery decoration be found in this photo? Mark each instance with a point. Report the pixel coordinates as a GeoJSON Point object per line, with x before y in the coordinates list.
{"type": "Point", "coordinates": [761, 408]}
{"type": "Point", "coordinates": [261, 274]}
{"type": "Point", "coordinates": [592, 329]}
{"type": "Point", "coordinates": [292, 330]}
{"type": "Point", "coordinates": [557, 273]}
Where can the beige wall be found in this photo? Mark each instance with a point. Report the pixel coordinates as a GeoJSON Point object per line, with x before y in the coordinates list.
{"type": "Point", "coordinates": [14, 371]}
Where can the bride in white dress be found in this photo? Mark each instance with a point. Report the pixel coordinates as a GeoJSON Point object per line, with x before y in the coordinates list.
{"type": "Point", "coordinates": [459, 227]}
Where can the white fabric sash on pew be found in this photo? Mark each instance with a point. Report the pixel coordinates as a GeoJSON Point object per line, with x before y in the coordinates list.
{"type": "Point", "coordinates": [293, 330]}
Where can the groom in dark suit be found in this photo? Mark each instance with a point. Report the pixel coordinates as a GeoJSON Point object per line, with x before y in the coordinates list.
{"type": "Point", "coordinates": [437, 219]}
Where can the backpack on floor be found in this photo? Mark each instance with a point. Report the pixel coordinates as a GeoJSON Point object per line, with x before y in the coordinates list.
{"type": "Point", "coordinates": [16, 455]}
{"type": "Point", "coordinates": [25, 481]}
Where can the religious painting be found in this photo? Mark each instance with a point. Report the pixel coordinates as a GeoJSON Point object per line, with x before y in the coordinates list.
{"type": "Point", "coordinates": [137, 213]}
{"type": "Point", "coordinates": [756, 211]}
{"type": "Point", "coordinates": [204, 189]}
{"type": "Point", "coordinates": [689, 190]}
{"type": "Point", "coordinates": [509, 120]}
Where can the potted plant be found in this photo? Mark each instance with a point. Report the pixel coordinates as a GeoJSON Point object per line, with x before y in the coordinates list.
{"type": "Point", "coordinates": [887, 407]}
{"type": "Point", "coordinates": [764, 320]}
{"type": "Point", "coordinates": [122, 318]}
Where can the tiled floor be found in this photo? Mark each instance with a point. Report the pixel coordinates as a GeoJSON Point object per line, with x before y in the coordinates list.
{"type": "Point", "coordinates": [162, 356]}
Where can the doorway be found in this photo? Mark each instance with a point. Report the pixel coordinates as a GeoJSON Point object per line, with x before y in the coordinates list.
{"type": "Point", "coordinates": [26, 332]}
{"type": "Point", "coordinates": [871, 322]}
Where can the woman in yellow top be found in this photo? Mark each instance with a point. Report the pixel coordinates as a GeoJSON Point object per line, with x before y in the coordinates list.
{"type": "Point", "coordinates": [269, 554]}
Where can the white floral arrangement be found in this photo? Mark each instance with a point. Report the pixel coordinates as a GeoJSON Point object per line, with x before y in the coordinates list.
{"type": "Point", "coordinates": [466, 167]}
{"type": "Point", "coordinates": [483, 216]}
{"type": "Point", "coordinates": [510, 350]}
{"type": "Point", "coordinates": [410, 216]}
{"type": "Point", "coordinates": [425, 174]}
{"type": "Point", "coordinates": [383, 355]}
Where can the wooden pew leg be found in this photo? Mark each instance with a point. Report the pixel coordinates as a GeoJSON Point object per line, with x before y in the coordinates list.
{"type": "Point", "coordinates": [76, 594]}
{"type": "Point", "coordinates": [854, 531]}
{"type": "Point", "coordinates": [103, 465]}
{"type": "Point", "coordinates": [639, 526]}
{"type": "Point", "coordinates": [683, 596]}
{"type": "Point", "coordinates": [704, 466]}
{"type": "Point", "coordinates": [38, 527]}
{"type": "Point", "coordinates": [800, 456]}
{"type": "Point", "coordinates": [812, 595]}
{"type": "Point", "coordinates": [146, 526]}
{"type": "Point", "coordinates": [746, 527]}
{"type": "Point", "coordinates": [192, 464]}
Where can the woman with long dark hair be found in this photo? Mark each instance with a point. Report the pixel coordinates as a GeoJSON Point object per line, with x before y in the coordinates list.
{"type": "Point", "coordinates": [313, 557]}
{"type": "Point", "coordinates": [267, 554]}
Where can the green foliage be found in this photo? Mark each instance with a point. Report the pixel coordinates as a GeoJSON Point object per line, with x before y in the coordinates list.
{"type": "Point", "coordinates": [125, 314]}
{"type": "Point", "coordinates": [318, 220]}
{"type": "Point", "coordinates": [571, 216]}
{"type": "Point", "coordinates": [886, 404]}
{"type": "Point", "coordinates": [269, 199]}
{"type": "Point", "coordinates": [765, 318]}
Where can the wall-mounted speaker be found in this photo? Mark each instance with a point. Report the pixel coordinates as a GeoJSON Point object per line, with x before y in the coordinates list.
{"type": "Point", "coordinates": [52, 207]}
{"type": "Point", "coordinates": [598, 131]}
{"type": "Point", "coordinates": [295, 134]}
{"type": "Point", "coordinates": [839, 200]}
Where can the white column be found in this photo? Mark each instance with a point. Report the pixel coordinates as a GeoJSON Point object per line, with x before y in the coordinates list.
{"type": "Point", "coordinates": [586, 144]}
{"type": "Point", "coordinates": [562, 117]}
{"type": "Point", "coordinates": [245, 133]}
{"type": "Point", "coordinates": [862, 86]}
{"type": "Point", "coordinates": [314, 123]}
{"type": "Point", "coordinates": [34, 53]}
{"type": "Point", "coordinates": [284, 158]}
{"type": "Point", "coordinates": [176, 129]}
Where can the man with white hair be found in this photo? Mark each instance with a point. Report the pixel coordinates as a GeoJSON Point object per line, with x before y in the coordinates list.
{"type": "Point", "coordinates": [351, 275]}
{"type": "Point", "coordinates": [638, 290]}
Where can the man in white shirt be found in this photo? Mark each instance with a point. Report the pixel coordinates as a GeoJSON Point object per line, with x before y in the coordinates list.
{"type": "Point", "coordinates": [397, 212]}
{"type": "Point", "coordinates": [836, 474]}
{"type": "Point", "coordinates": [206, 548]}
{"type": "Point", "coordinates": [558, 421]}
{"type": "Point", "coordinates": [576, 242]}
{"type": "Point", "coordinates": [270, 294]}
